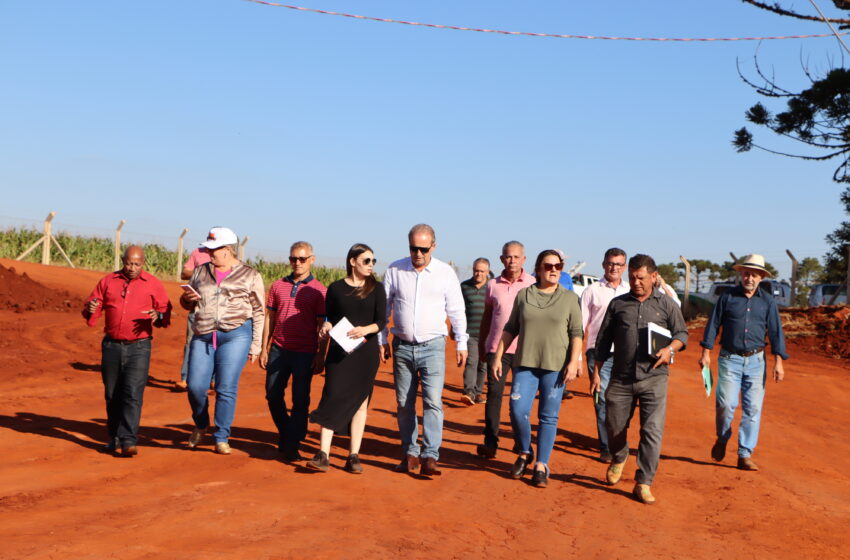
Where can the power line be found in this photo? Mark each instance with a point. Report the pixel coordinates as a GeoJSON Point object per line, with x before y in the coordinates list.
{"type": "Point", "coordinates": [547, 35]}
{"type": "Point", "coordinates": [826, 21]}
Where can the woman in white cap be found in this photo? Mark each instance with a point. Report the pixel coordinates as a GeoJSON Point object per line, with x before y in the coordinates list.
{"type": "Point", "coordinates": [227, 297]}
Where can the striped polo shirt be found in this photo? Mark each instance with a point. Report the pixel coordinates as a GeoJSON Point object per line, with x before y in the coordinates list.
{"type": "Point", "coordinates": [297, 304]}
{"type": "Point", "coordinates": [473, 299]}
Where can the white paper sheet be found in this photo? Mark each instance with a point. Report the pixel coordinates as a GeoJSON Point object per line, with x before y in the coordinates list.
{"type": "Point", "coordinates": [338, 333]}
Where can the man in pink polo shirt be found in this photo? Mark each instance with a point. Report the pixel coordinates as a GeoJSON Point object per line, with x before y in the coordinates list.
{"type": "Point", "coordinates": [296, 310]}
{"type": "Point", "coordinates": [498, 303]}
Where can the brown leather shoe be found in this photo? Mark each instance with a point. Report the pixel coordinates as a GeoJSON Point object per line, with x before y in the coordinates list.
{"type": "Point", "coordinates": [747, 464]}
{"type": "Point", "coordinates": [718, 450]}
{"type": "Point", "coordinates": [486, 451]}
{"type": "Point", "coordinates": [614, 473]}
{"type": "Point", "coordinates": [410, 464]}
{"type": "Point", "coordinates": [129, 451]}
{"type": "Point", "coordinates": [642, 494]}
{"type": "Point", "coordinates": [429, 467]}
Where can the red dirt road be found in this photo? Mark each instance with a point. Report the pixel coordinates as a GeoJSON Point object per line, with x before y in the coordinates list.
{"type": "Point", "coordinates": [60, 498]}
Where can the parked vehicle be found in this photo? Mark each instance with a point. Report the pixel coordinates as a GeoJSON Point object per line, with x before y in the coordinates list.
{"type": "Point", "coordinates": [781, 292]}
{"type": "Point", "coordinates": [821, 294]}
{"type": "Point", "coordinates": [582, 281]}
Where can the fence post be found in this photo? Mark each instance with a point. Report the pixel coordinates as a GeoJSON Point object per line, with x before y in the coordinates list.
{"type": "Point", "coordinates": [117, 251]}
{"type": "Point", "coordinates": [48, 236]}
{"type": "Point", "coordinates": [241, 255]}
{"type": "Point", "coordinates": [180, 253]}
{"type": "Point", "coordinates": [793, 277]}
{"type": "Point", "coordinates": [847, 286]}
{"type": "Point", "coordinates": [686, 298]}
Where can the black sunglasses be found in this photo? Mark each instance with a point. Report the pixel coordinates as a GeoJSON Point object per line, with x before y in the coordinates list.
{"type": "Point", "coordinates": [548, 267]}
{"type": "Point", "coordinates": [367, 262]}
{"type": "Point", "coordinates": [423, 250]}
{"type": "Point", "coordinates": [302, 260]}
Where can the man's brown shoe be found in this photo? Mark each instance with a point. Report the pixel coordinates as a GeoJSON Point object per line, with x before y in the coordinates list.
{"type": "Point", "coordinates": [614, 473]}
{"type": "Point", "coordinates": [747, 464]}
{"type": "Point", "coordinates": [129, 451]}
{"type": "Point", "coordinates": [410, 464]}
{"type": "Point", "coordinates": [643, 494]}
{"type": "Point", "coordinates": [718, 450]}
{"type": "Point", "coordinates": [486, 451]}
{"type": "Point", "coordinates": [429, 467]}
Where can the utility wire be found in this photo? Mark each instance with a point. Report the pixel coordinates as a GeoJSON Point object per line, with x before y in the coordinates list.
{"type": "Point", "coordinates": [826, 21]}
{"type": "Point", "coordinates": [549, 35]}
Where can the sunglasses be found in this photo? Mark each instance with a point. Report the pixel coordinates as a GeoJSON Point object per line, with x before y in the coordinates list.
{"type": "Point", "coordinates": [549, 267]}
{"type": "Point", "coordinates": [423, 250]}
{"type": "Point", "coordinates": [367, 262]}
{"type": "Point", "coordinates": [302, 260]}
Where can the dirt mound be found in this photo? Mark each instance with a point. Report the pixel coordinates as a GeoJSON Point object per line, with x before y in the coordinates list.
{"type": "Point", "coordinates": [820, 329]}
{"type": "Point", "coordinates": [19, 293]}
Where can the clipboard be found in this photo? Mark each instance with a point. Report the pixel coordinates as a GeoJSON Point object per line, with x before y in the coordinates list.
{"type": "Point", "coordinates": [338, 333]}
{"type": "Point", "coordinates": [657, 338]}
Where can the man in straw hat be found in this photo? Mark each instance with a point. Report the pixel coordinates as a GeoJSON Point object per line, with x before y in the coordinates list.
{"type": "Point", "coordinates": [747, 315]}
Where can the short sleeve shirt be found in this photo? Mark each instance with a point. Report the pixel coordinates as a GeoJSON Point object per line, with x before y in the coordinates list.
{"type": "Point", "coordinates": [298, 306]}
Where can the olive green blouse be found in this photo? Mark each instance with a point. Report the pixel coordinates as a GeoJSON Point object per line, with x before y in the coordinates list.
{"type": "Point", "coordinates": [545, 324]}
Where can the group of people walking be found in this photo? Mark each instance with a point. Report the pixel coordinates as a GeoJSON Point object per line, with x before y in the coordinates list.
{"type": "Point", "coordinates": [529, 325]}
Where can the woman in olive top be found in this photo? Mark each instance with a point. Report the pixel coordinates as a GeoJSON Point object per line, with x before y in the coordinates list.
{"type": "Point", "coordinates": [547, 319]}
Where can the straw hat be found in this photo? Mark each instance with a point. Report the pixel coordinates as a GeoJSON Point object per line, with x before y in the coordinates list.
{"type": "Point", "coordinates": [754, 262]}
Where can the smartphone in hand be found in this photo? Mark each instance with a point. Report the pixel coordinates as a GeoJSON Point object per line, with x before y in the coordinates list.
{"type": "Point", "coordinates": [189, 289]}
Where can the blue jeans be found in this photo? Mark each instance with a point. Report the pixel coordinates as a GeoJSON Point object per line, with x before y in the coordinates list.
{"type": "Point", "coordinates": [283, 364]}
{"type": "Point", "coordinates": [226, 363]}
{"type": "Point", "coordinates": [599, 405]}
{"type": "Point", "coordinates": [737, 374]}
{"type": "Point", "coordinates": [526, 383]}
{"type": "Point", "coordinates": [124, 370]}
{"type": "Point", "coordinates": [424, 364]}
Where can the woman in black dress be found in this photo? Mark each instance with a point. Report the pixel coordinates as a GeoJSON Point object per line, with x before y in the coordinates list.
{"type": "Point", "coordinates": [361, 299]}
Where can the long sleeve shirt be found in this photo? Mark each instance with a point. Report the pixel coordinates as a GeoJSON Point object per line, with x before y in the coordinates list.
{"type": "Point", "coordinates": [594, 302]}
{"type": "Point", "coordinates": [127, 303]}
{"type": "Point", "coordinates": [745, 323]}
{"type": "Point", "coordinates": [420, 301]}
{"type": "Point", "coordinates": [625, 325]}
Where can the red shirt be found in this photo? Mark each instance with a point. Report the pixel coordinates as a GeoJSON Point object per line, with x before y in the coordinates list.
{"type": "Point", "coordinates": [296, 327]}
{"type": "Point", "coordinates": [125, 302]}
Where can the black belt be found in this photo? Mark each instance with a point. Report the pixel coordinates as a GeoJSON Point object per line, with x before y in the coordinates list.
{"type": "Point", "coordinates": [748, 353]}
{"type": "Point", "coordinates": [125, 342]}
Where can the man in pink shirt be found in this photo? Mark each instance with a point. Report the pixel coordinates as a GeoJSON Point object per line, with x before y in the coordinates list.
{"type": "Point", "coordinates": [498, 303]}
{"type": "Point", "coordinates": [594, 303]}
{"type": "Point", "coordinates": [198, 257]}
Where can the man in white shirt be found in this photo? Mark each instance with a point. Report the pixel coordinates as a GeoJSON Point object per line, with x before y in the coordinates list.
{"type": "Point", "coordinates": [421, 292]}
{"type": "Point", "coordinates": [594, 303]}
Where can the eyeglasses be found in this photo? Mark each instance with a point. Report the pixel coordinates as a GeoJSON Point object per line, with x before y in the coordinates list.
{"type": "Point", "coordinates": [423, 250]}
{"type": "Point", "coordinates": [367, 262]}
{"type": "Point", "coordinates": [610, 264]}
{"type": "Point", "coordinates": [302, 260]}
{"type": "Point", "coordinates": [549, 267]}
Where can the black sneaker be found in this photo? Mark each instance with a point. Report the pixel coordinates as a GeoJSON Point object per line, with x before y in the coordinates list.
{"type": "Point", "coordinates": [319, 462]}
{"type": "Point", "coordinates": [353, 464]}
{"type": "Point", "coordinates": [292, 455]}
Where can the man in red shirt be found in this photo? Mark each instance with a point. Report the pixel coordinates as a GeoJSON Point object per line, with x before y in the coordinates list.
{"type": "Point", "coordinates": [134, 302]}
{"type": "Point", "coordinates": [295, 311]}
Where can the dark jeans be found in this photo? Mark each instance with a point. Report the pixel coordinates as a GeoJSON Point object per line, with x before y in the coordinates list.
{"type": "Point", "coordinates": [283, 365]}
{"type": "Point", "coordinates": [621, 398]}
{"type": "Point", "coordinates": [493, 408]}
{"type": "Point", "coordinates": [599, 402]}
{"type": "Point", "coordinates": [124, 369]}
{"type": "Point", "coordinates": [475, 372]}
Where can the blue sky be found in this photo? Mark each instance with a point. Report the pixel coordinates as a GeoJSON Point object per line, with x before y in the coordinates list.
{"type": "Point", "coordinates": [287, 125]}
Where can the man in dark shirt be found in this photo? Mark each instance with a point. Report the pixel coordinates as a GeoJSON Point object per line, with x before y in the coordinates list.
{"type": "Point", "coordinates": [474, 291]}
{"type": "Point", "coordinates": [638, 377]}
{"type": "Point", "coordinates": [134, 302]}
{"type": "Point", "coordinates": [747, 315]}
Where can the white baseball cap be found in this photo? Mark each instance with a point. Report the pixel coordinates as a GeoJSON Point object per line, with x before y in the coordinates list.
{"type": "Point", "coordinates": [219, 237]}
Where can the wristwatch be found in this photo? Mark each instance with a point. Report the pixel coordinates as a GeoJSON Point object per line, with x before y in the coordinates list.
{"type": "Point", "coordinates": [672, 353]}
